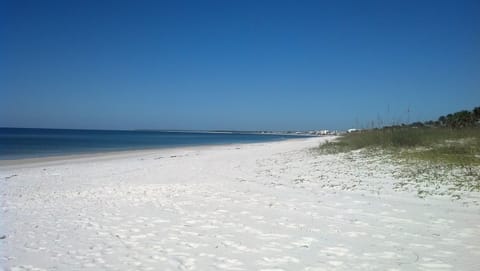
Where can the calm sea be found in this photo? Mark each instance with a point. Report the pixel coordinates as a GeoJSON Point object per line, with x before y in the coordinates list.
{"type": "Point", "coordinates": [17, 143]}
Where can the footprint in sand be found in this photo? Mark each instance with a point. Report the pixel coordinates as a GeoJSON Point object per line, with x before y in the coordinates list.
{"type": "Point", "coordinates": [270, 261]}
{"type": "Point", "coordinates": [435, 266]}
{"type": "Point", "coordinates": [334, 251]}
{"type": "Point", "coordinates": [26, 268]}
{"type": "Point", "coordinates": [228, 264]}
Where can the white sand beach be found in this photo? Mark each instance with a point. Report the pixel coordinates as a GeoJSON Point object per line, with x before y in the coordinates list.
{"type": "Point", "coordinates": [264, 206]}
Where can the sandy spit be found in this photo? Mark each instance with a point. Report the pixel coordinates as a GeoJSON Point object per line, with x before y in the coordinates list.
{"type": "Point", "coordinates": [265, 206]}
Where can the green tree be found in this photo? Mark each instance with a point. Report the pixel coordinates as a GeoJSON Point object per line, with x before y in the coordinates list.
{"type": "Point", "coordinates": [442, 120]}
{"type": "Point", "coordinates": [449, 121]}
{"type": "Point", "coordinates": [476, 113]}
{"type": "Point", "coordinates": [462, 119]}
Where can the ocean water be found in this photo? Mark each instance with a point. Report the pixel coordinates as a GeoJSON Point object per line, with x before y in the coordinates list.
{"type": "Point", "coordinates": [18, 143]}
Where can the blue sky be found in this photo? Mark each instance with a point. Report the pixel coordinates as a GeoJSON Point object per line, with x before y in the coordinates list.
{"type": "Point", "coordinates": [244, 65]}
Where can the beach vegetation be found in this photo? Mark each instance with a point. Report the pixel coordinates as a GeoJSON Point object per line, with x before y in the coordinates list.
{"type": "Point", "coordinates": [453, 146]}
{"type": "Point", "coordinates": [452, 139]}
{"type": "Point", "coordinates": [442, 151]}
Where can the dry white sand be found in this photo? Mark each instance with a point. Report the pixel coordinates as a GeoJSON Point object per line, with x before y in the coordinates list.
{"type": "Point", "coordinates": [268, 206]}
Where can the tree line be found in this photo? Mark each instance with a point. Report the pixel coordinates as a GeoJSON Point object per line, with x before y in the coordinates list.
{"type": "Point", "coordinates": [460, 119]}
{"type": "Point", "coordinates": [457, 120]}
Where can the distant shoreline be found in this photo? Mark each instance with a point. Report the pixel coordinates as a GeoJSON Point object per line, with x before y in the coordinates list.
{"type": "Point", "coordinates": [118, 154]}
{"type": "Point", "coordinates": [259, 132]}
{"type": "Point", "coordinates": [19, 143]}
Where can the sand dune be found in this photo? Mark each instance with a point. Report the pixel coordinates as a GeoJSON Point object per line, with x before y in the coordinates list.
{"type": "Point", "coordinates": [266, 206]}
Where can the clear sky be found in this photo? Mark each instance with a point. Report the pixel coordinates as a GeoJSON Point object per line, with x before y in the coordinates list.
{"type": "Point", "coordinates": [244, 65]}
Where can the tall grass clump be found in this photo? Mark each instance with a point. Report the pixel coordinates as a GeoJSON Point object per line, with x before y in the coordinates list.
{"type": "Point", "coordinates": [433, 154]}
{"type": "Point", "coordinates": [453, 146]}
{"type": "Point", "coordinates": [377, 138]}
{"type": "Point", "coordinates": [430, 157]}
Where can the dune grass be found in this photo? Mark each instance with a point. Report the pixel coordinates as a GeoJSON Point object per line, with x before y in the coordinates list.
{"type": "Point", "coordinates": [437, 145]}
{"type": "Point", "coordinates": [430, 158]}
